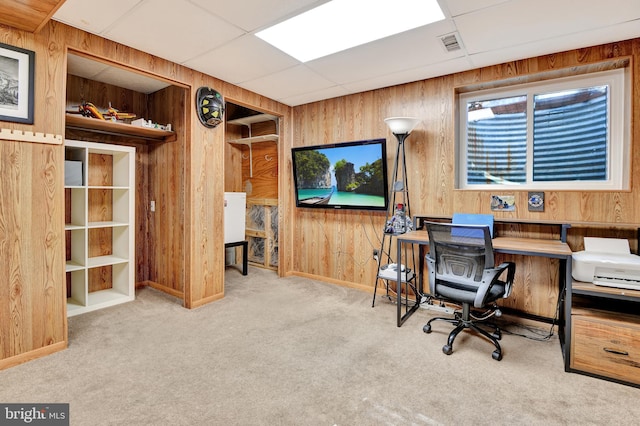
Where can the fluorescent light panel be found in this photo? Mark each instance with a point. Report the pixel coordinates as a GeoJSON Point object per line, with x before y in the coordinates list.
{"type": "Point", "coordinates": [341, 24]}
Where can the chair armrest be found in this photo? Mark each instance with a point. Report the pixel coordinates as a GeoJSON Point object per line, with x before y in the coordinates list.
{"type": "Point", "coordinates": [490, 277]}
{"type": "Point", "coordinates": [510, 267]}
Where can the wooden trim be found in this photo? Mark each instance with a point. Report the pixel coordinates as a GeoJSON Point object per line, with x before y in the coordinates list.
{"type": "Point", "coordinates": [31, 355]}
{"type": "Point", "coordinates": [165, 289]}
{"type": "Point", "coordinates": [204, 301]}
{"type": "Point", "coordinates": [18, 135]}
{"type": "Point", "coordinates": [365, 288]}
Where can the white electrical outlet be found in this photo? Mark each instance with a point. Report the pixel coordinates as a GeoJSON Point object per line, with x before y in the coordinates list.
{"type": "Point", "coordinates": [153, 206]}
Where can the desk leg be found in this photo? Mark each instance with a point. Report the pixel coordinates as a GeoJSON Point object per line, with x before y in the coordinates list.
{"type": "Point", "coordinates": [245, 257]}
{"type": "Point", "coordinates": [564, 330]}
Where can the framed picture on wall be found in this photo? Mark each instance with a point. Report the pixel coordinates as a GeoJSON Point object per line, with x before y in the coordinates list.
{"type": "Point", "coordinates": [16, 84]}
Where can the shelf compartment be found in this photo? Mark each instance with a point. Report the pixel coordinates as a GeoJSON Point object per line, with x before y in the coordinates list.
{"type": "Point", "coordinates": [79, 122]}
{"type": "Point", "coordinates": [75, 248]}
{"type": "Point", "coordinates": [75, 212]}
{"type": "Point", "coordinates": [108, 204]}
{"type": "Point", "coordinates": [76, 289]}
{"type": "Point", "coordinates": [114, 287]}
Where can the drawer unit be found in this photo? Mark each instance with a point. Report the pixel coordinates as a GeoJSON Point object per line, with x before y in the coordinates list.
{"type": "Point", "coordinates": [606, 344]}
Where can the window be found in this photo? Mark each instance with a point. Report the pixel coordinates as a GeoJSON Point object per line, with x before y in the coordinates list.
{"type": "Point", "coordinates": [568, 133]}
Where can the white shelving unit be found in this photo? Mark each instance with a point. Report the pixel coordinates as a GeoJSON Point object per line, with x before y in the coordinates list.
{"type": "Point", "coordinates": [100, 226]}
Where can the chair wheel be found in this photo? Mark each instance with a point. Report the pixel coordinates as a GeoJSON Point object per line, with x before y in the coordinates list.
{"type": "Point", "coordinates": [497, 335]}
{"type": "Point", "coordinates": [497, 355]}
{"type": "Point", "coordinates": [427, 328]}
{"type": "Point", "coordinates": [448, 350]}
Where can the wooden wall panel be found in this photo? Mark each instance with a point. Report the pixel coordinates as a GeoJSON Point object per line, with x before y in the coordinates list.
{"type": "Point", "coordinates": [32, 301]}
{"type": "Point", "coordinates": [324, 254]}
{"type": "Point", "coordinates": [32, 282]}
{"type": "Point", "coordinates": [167, 187]}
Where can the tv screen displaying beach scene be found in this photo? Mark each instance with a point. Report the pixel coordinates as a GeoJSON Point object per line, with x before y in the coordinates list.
{"type": "Point", "coordinates": [347, 175]}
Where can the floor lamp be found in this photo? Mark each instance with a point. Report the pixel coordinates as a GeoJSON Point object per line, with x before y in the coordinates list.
{"type": "Point", "coordinates": [401, 127]}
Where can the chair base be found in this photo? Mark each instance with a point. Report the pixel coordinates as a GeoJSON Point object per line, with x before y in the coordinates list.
{"type": "Point", "coordinates": [461, 322]}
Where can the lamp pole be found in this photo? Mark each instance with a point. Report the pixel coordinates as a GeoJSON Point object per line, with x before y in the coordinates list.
{"type": "Point", "coordinates": [401, 127]}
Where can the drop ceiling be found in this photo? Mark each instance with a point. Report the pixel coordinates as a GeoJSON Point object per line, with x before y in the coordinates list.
{"type": "Point", "coordinates": [218, 39]}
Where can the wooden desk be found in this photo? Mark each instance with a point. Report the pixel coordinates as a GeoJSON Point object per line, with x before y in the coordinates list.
{"type": "Point", "coordinates": [509, 245]}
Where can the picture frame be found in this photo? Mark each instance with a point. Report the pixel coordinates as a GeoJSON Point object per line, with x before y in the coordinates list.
{"type": "Point", "coordinates": [16, 84]}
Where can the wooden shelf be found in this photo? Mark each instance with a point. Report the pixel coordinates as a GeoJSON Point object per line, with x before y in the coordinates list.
{"type": "Point", "coordinates": [252, 119]}
{"type": "Point", "coordinates": [254, 139]}
{"type": "Point", "coordinates": [79, 122]}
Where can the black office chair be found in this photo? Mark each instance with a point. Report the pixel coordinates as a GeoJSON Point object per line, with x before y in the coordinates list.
{"type": "Point", "coordinates": [462, 271]}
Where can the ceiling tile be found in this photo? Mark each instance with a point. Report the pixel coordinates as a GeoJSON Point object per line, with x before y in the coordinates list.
{"type": "Point", "coordinates": [290, 82]}
{"type": "Point", "coordinates": [251, 15]}
{"type": "Point", "coordinates": [85, 15]}
{"type": "Point", "coordinates": [408, 50]}
{"type": "Point", "coordinates": [153, 28]}
{"type": "Point", "coordinates": [305, 98]}
{"type": "Point", "coordinates": [521, 21]}
{"type": "Point", "coordinates": [410, 75]}
{"type": "Point", "coordinates": [242, 59]}
{"type": "Point", "coordinates": [460, 7]}
{"type": "Point", "coordinates": [624, 31]}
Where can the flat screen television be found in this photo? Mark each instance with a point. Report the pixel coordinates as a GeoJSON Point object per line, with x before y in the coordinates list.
{"type": "Point", "coordinates": [346, 175]}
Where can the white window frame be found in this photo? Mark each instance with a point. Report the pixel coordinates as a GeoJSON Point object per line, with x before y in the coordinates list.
{"type": "Point", "coordinates": [618, 132]}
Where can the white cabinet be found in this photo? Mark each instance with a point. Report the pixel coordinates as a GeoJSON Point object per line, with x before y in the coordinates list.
{"type": "Point", "coordinates": [99, 225]}
{"type": "Point", "coordinates": [235, 210]}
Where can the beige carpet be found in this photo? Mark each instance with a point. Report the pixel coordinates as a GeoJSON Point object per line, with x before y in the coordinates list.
{"type": "Point", "coordinates": [298, 352]}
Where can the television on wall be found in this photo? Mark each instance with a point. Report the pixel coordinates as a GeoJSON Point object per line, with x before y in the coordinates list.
{"type": "Point", "coordinates": [346, 175]}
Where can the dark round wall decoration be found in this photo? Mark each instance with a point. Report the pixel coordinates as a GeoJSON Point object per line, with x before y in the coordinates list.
{"type": "Point", "coordinates": [210, 106]}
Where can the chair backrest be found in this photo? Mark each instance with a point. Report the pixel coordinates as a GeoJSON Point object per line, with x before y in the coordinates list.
{"type": "Point", "coordinates": [459, 253]}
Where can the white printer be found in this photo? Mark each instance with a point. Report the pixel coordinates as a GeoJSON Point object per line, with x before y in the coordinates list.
{"type": "Point", "coordinates": [607, 262]}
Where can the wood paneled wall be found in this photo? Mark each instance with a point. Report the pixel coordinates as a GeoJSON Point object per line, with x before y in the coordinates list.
{"type": "Point", "coordinates": [337, 246]}
{"type": "Point", "coordinates": [188, 238]}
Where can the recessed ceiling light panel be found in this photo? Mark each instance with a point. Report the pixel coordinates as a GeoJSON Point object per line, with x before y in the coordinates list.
{"type": "Point", "coordinates": [341, 24]}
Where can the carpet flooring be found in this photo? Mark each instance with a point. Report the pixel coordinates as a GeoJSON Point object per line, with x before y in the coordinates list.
{"type": "Point", "coordinates": [293, 351]}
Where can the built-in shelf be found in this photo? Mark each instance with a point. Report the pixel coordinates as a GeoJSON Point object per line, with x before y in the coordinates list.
{"type": "Point", "coordinates": [79, 122]}
{"type": "Point", "coordinates": [254, 139]}
{"type": "Point", "coordinates": [250, 140]}
{"type": "Point", "coordinates": [252, 119]}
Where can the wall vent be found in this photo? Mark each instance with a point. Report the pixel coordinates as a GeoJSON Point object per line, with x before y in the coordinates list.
{"type": "Point", "coordinates": [451, 42]}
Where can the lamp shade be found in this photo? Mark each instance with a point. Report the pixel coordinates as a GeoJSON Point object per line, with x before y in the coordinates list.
{"type": "Point", "coordinates": [402, 125]}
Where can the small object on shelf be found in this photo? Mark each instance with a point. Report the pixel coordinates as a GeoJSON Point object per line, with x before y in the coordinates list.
{"type": "Point", "coordinates": [115, 115]}
{"type": "Point", "coordinates": [149, 124]}
{"type": "Point", "coordinates": [87, 109]}
{"type": "Point", "coordinates": [399, 220]}
{"type": "Point", "coordinates": [73, 173]}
